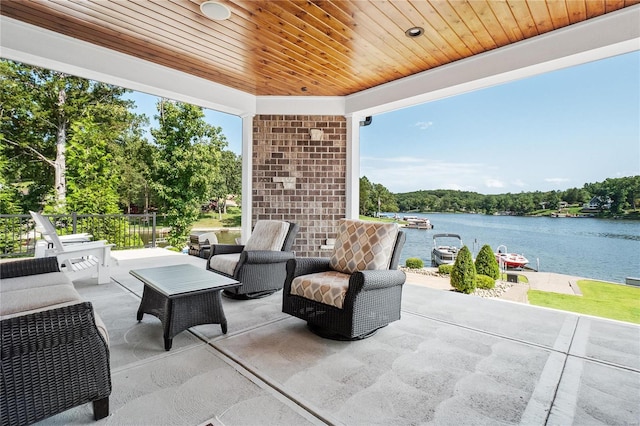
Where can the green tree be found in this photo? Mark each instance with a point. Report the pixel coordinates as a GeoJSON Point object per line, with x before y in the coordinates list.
{"type": "Point", "coordinates": [366, 189]}
{"type": "Point", "coordinates": [185, 164]}
{"type": "Point", "coordinates": [486, 263]}
{"type": "Point", "coordinates": [229, 180]}
{"type": "Point", "coordinates": [463, 274]}
{"type": "Point", "coordinates": [41, 111]}
{"type": "Point", "coordinates": [134, 159]}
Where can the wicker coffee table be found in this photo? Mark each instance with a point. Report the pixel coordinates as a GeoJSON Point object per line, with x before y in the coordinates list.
{"type": "Point", "coordinates": [182, 296]}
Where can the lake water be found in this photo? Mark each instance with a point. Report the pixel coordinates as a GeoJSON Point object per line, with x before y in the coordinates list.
{"type": "Point", "coordinates": [586, 247]}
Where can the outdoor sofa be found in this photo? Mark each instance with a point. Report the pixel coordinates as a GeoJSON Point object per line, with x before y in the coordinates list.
{"type": "Point", "coordinates": [54, 347]}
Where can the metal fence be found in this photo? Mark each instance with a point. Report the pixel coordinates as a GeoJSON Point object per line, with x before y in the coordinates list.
{"type": "Point", "coordinates": [18, 235]}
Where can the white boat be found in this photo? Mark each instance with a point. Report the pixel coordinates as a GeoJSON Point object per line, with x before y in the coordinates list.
{"type": "Point", "coordinates": [418, 223]}
{"type": "Point", "coordinates": [441, 253]}
{"type": "Point", "coordinates": [509, 260]}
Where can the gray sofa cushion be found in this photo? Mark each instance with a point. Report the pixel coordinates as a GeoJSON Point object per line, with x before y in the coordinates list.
{"type": "Point", "coordinates": [31, 281]}
{"type": "Point", "coordinates": [30, 299]}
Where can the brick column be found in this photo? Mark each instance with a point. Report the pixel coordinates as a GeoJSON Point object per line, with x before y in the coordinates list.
{"type": "Point", "coordinates": [299, 179]}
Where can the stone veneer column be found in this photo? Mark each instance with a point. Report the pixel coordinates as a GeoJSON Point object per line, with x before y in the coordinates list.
{"type": "Point", "coordinates": [309, 186]}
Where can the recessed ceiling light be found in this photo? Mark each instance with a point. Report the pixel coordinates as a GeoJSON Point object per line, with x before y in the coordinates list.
{"type": "Point", "coordinates": [414, 32]}
{"type": "Point", "coordinates": [214, 10]}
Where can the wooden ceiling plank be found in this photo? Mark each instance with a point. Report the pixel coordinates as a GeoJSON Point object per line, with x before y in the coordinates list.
{"type": "Point", "coordinates": [523, 17]}
{"type": "Point", "coordinates": [504, 15]}
{"type": "Point", "coordinates": [474, 23]}
{"type": "Point", "coordinates": [333, 47]}
{"type": "Point", "coordinates": [170, 19]}
{"type": "Point", "coordinates": [558, 13]}
{"type": "Point", "coordinates": [613, 5]}
{"type": "Point", "coordinates": [312, 38]}
{"type": "Point", "coordinates": [595, 8]}
{"type": "Point", "coordinates": [370, 31]}
{"type": "Point", "coordinates": [430, 42]}
{"type": "Point", "coordinates": [541, 16]}
{"type": "Point", "coordinates": [420, 46]}
{"type": "Point", "coordinates": [272, 54]}
{"type": "Point", "coordinates": [439, 26]}
{"type": "Point", "coordinates": [491, 23]}
{"type": "Point", "coordinates": [370, 14]}
{"type": "Point", "coordinates": [289, 38]}
{"type": "Point", "coordinates": [150, 33]}
{"type": "Point", "coordinates": [577, 10]}
{"type": "Point", "coordinates": [327, 14]}
{"type": "Point", "coordinates": [458, 26]}
{"type": "Point", "coordinates": [99, 35]}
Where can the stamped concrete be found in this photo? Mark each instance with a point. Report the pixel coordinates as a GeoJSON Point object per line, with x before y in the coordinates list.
{"type": "Point", "coordinates": [451, 359]}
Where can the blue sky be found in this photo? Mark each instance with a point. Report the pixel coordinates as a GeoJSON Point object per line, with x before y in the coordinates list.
{"type": "Point", "coordinates": [550, 132]}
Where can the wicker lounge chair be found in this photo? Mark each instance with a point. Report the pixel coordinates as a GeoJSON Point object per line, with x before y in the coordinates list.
{"type": "Point", "coordinates": [357, 290]}
{"type": "Point", "coordinates": [54, 353]}
{"type": "Point", "coordinates": [260, 264]}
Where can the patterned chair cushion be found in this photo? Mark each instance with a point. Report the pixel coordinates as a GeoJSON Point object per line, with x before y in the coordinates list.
{"type": "Point", "coordinates": [268, 235]}
{"type": "Point", "coordinates": [363, 246]}
{"type": "Point", "coordinates": [225, 263]}
{"type": "Point", "coordinates": [328, 287]}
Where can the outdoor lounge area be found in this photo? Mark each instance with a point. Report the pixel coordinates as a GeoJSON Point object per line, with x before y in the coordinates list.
{"type": "Point", "coordinates": [304, 77]}
{"type": "Point", "coordinates": [450, 359]}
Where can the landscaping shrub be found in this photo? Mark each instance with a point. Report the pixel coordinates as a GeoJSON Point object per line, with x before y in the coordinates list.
{"type": "Point", "coordinates": [485, 282]}
{"type": "Point", "coordinates": [486, 263]}
{"type": "Point", "coordinates": [463, 274]}
{"type": "Point", "coordinates": [445, 269]}
{"type": "Point", "coordinates": [414, 263]}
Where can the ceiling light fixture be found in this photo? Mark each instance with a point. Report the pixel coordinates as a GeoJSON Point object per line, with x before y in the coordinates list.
{"type": "Point", "coordinates": [414, 32]}
{"type": "Point", "coordinates": [215, 10]}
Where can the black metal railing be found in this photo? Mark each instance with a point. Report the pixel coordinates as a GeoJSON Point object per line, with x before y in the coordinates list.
{"type": "Point", "coordinates": [18, 235]}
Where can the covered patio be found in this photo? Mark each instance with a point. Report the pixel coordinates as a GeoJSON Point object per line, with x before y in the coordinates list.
{"type": "Point", "coordinates": [289, 69]}
{"type": "Point", "coordinates": [451, 359]}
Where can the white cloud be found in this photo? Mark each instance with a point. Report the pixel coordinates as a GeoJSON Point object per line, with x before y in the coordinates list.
{"type": "Point", "coordinates": [556, 180]}
{"type": "Point", "coordinates": [424, 125]}
{"type": "Point", "coordinates": [519, 183]}
{"type": "Point", "coordinates": [494, 183]}
{"type": "Point", "coordinates": [405, 174]}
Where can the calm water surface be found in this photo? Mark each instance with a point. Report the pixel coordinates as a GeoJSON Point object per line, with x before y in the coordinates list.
{"type": "Point", "coordinates": [592, 248]}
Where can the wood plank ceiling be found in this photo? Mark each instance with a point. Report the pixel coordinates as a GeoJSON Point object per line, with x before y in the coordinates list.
{"type": "Point", "coordinates": [320, 48]}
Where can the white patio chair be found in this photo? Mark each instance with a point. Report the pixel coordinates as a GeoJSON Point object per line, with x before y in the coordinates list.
{"type": "Point", "coordinates": [46, 228]}
{"type": "Point", "coordinates": [78, 255]}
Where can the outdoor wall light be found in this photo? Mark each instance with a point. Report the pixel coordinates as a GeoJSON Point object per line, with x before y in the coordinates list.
{"type": "Point", "coordinates": [215, 10]}
{"type": "Point", "coordinates": [414, 32]}
{"type": "Point", "coordinates": [316, 134]}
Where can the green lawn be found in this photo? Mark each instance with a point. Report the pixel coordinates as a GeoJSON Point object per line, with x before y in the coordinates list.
{"type": "Point", "coordinates": [599, 299]}
{"type": "Point", "coordinates": [232, 219]}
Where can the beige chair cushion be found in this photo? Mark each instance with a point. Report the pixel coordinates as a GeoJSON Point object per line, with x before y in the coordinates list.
{"type": "Point", "coordinates": [268, 235]}
{"type": "Point", "coordinates": [328, 287]}
{"type": "Point", "coordinates": [363, 246]}
{"type": "Point", "coordinates": [225, 263]}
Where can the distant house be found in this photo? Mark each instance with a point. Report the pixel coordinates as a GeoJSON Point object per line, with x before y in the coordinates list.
{"type": "Point", "coordinates": [563, 205]}
{"type": "Point", "coordinates": [597, 203]}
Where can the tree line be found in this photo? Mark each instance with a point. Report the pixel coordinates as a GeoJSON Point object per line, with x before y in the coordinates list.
{"type": "Point", "coordinates": [612, 196]}
{"type": "Point", "coordinates": [71, 144]}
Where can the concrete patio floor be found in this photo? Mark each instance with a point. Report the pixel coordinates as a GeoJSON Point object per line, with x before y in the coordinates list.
{"type": "Point", "coordinates": [452, 359]}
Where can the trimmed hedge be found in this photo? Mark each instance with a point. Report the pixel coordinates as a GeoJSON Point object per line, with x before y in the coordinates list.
{"type": "Point", "coordinates": [463, 275]}
{"type": "Point", "coordinates": [445, 269]}
{"type": "Point", "coordinates": [486, 263]}
{"type": "Point", "coordinates": [414, 263]}
{"type": "Point", "coordinates": [485, 282]}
